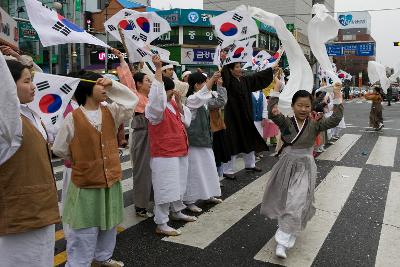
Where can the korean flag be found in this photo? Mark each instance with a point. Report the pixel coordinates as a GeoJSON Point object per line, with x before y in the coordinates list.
{"type": "Point", "coordinates": [54, 29]}
{"type": "Point", "coordinates": [233, 25]}
{"type": "Point", "coordinates": [240, 51]}
{"type": "Point", "coordinates": [53, 93]}
{"type": "Point", "coordinates": [140, 28]}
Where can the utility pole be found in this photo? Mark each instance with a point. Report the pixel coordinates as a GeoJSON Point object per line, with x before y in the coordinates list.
{"type": "Point", "coordinates": [106, 49]}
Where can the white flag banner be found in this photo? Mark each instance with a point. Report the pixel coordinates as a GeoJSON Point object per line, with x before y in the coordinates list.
{"type": "Point", "coordinates": [240, 51]}
{"type": "Point", "coordinates": [233, 25]}
{"type": "Point", "coordinates": [396, 73]}
{"type": "Point", "coordinates": [377, 72]}
{"type": "Point", "coordinates": [9, 109]}
{"type": "Point", "coordinates": [301, 77]}
{"type": "Point", "coordinates": [54, 29]}
{"type": "Point", "coordinates": [322, 28]}
{"type": "Point", "coordinates": [138, 27]}
{"type": "Point", "coordinates": [53, 93]}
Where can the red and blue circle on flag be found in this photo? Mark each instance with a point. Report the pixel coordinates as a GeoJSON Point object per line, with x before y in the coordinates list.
{"type": "Point", "coordinates": [126, 25]}
{"type": "Point", "coordinates": [238, 52]}
{"type": "Point", "coordinates": [143, 24]}
{"type": "Point", "coordinates": [50, 103]}
{"type": "Point", "coordinates": [69, 24]}
{"type": "Point", "coordinates": [228, 29]}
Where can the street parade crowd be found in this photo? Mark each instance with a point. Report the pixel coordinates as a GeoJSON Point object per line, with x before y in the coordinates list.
{"type": "Point", "coordinates": [186, 136]}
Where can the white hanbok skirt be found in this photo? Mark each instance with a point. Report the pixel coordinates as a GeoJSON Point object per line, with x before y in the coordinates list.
{"type": "Point", "coordinates": [203, 180]}
{"type": "Point", "coordinates": [169, 178]}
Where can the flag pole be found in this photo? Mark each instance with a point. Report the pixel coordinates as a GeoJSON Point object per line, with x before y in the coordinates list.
{"type": "Point", "coordinates": [121, 34]}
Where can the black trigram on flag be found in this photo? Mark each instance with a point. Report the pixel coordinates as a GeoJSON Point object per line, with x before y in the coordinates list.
{"type": "Point", "coordinates": [43, 85]}
{"type": "Point", "coordinates": [156, 27]}
{"type": "Point", "coordinates": [141, 52]}
{"type": "Point", "coordinates": [237, 17]}
{"type": "Point", "coordinates": [66, 89]}
{"type": "Point", "coordinates": [232, 47]}
{"type": "Point", "coordinates": [220, 41]}
{"type": "Point", "coordinates": [244, 30]}
{"type": "Point", "coordinates": [228, 60]}
{"type": "Point", "coordinates": [54, 119]}
{"type": "Point", "coordinates": [135, 38]}
{"type": "Point", "coordinates": [143, 37]}
{"type": "Point", "coordinates": [61, 28]}
{"type": "Point", "coordinates": [111, 27]}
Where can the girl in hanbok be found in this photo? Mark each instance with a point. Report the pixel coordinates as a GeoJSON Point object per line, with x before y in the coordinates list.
{"type": "Point", "coordinates": [375, 116]}
{"type": "Point", "coordinates": [88, 137]}
{"type": "Point", "coordinates": [289, 193]}
{"type": "Point", "coordinates": [203, 179]}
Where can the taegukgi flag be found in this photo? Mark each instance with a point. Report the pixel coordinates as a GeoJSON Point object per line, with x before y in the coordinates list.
{"type": "Point", "coordinates": [140, 28]}
{"type": "Point", "coordinates": [232, 26]}
{"type": "Point", "coordinates": [53, 93]}
{"type": "Point", "coordinates": [239, 51]}
{"type": "Point", "coordinates": [54, 29]}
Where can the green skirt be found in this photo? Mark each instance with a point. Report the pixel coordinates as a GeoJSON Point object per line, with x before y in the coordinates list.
{"type": "Point", "coordinates": [85, 208]}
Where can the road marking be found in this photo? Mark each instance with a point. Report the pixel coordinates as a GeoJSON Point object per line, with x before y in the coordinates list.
{"type": "Point", "coordinates": [388, 249]}
{"type": "Point", "coordinates": [330, 197]}
{"type": "Point", "coordinates": [209, 226]}
{"type": "Point", "coordinates": [337, 151]}
{"type": "Point", "coordinates": [384, 152]}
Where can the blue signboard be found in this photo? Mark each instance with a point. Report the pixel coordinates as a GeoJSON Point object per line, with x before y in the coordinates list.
{"type": "Point", "coordinates": [199, 18]}
{"type": "Point", "coordinates": [356, 49]}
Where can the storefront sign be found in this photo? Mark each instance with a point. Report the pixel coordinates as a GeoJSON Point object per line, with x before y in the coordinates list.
{"type": "Point", "coordinates": [354, 20]}
{"type": "Point", "coordinates": [198, 17]}
{"type": "Point", "coordinates": [8, 28]}
{"type": "Point", "coordinates": [194, 56]}
{"type": "Point", "coordinates": [199, 36]}
{"type": "Point", "coordinates": [169, 38]}
{"type": "Point", "coordinates": [27, 32]}
{"type": "Point", "coordinates": [356, 49]}
{"type": "Point", "coordinates": [99, 57]}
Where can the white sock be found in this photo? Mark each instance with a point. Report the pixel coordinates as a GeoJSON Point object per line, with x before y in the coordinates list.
{"type": "Point", "coordinates": [165, 227]}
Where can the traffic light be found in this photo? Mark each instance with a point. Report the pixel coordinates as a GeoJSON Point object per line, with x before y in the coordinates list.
{"type": "Point", "coordinates": [396, 43]}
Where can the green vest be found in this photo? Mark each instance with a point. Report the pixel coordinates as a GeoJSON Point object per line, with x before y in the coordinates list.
{"type": "Point", "coordinates": [199, 131]}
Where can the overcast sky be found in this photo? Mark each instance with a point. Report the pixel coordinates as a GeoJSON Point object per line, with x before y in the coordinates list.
{"type": "Point", "coordinates": [165, 4]}
{"type": "Point", "coordinates": [385, 26]}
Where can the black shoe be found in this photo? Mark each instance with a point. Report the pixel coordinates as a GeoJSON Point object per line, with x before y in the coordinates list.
{"type": "Point", "coordinates": [141, 212]}
{"type": "Point", "coordinates": [255, 169]}
{"type": "Point", "coordinates": [230, 176]}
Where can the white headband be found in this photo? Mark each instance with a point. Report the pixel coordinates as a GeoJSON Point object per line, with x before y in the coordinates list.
{"type": "Point", "coordinates": [170, 66]}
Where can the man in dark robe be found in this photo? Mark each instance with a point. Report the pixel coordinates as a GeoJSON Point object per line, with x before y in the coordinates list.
{"type": "Point", "coordinates": [242, 134]}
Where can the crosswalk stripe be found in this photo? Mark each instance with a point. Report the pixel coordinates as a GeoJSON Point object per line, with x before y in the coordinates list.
{"type": "Point", "coordinates": [384, 152]}
{"type": "Point", "coordinates": [220, 218]}
{"type": "Point", "coordinates": [337, 151]}
{"type": "Point", "coordinates": [330, 196]}
{"type": "Point", "coordinates": [388, 254]}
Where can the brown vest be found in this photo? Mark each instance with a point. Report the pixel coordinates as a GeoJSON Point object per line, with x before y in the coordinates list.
{"type": "Point", "coordinates": [95, 155]}
{"type": "Point", "coordinates": [28, 194]}
{"type": "Point", "coordinates": [216, 120]}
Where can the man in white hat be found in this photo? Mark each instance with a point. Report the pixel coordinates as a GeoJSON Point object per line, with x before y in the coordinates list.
{"type": "Point", "coordinates": [185, 76]}
{"type": "Point", "coordinates": [180, 87]}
